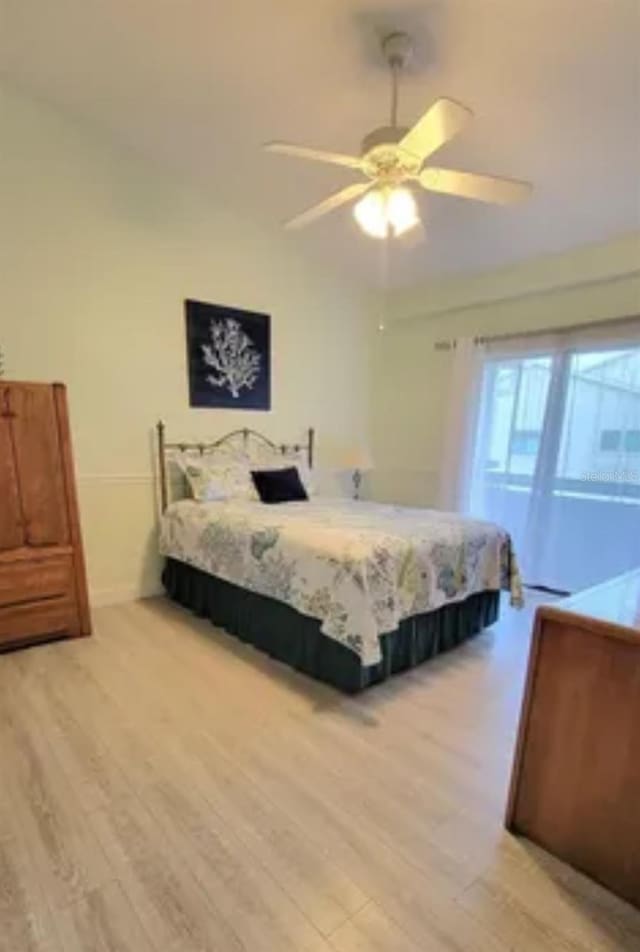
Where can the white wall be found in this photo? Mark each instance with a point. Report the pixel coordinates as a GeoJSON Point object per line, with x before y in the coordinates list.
{"type": "Point", "coordinates": [410, 378]}
{"type": "Point", "coordinates": [98, 250]}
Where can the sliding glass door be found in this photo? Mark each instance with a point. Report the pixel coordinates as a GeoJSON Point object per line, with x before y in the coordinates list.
{"type": "Point", "coordinates": [557, 461]}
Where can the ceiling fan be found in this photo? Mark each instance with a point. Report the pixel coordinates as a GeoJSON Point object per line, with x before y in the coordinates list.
{"type": "Point", "coordinates": [393, 156]}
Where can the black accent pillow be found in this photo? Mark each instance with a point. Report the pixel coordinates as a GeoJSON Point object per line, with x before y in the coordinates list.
{"type": "Point", "coordinates": [279, 485]}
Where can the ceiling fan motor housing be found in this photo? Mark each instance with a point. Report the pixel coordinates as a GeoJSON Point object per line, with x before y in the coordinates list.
{"type": "Point", "coordinates": [383, 136]}
{"type": "Point", "coordinates": [382, 156]}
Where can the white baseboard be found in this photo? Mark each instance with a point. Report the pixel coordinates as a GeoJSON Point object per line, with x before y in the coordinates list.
{"type": "Point", "coordinates": [100, 597]}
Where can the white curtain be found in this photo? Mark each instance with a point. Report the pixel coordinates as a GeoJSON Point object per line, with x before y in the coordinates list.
{"type": "Point", "coordinates": [556, 456]}
{"type": "Point", "coordinates": [460, 415]}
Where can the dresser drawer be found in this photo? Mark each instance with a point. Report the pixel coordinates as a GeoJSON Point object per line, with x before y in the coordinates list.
{"type": "Point", "coordinates": [37, 620]}
{"type": "Point", "coordinates": [30, 580]}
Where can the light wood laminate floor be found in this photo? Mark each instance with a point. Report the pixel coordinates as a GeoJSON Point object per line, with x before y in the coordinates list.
{"type": "Point", "coordinates": [166, 789]}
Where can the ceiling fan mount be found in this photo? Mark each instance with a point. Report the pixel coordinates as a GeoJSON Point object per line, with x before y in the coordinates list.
{"type": "Point", "coordinates": [397, 49]}
{"type": "Point", "coordinates": [392, 156]}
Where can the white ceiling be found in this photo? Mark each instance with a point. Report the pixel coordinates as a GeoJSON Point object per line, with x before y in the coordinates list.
{"type": "Point", "coordinates": [199, 84]}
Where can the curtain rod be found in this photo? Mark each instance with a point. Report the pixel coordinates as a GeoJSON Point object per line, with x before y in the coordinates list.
{"type": "Point", "coordinates": [521, 296]}
{"type": "Point", "coordinates": [541, 332]}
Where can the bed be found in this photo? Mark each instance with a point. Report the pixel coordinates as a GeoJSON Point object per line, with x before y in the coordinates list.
{"type": "Point", "coordinates": [346, 591]}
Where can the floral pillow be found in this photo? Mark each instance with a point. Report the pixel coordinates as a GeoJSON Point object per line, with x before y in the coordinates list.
{"type": "Point", "coordinates": [210, 481]}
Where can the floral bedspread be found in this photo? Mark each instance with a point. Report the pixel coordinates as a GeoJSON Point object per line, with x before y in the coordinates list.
{"type": "Point", "coordinates": [358, 567]}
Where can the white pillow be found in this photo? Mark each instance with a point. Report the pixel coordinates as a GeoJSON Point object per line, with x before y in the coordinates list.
{"type": "Point", "coordinates": [306, 475]}
{"type": "Point", "coordinates": [210, 481]}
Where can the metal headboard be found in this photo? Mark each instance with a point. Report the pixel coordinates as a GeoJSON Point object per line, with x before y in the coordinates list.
{"type": "Point", "coordinates": [247, 434]}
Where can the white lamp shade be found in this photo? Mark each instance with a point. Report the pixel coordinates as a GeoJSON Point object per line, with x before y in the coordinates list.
{"type": "Point", "coordinates": [358, 457]}
{"type": "Point", "coordinates": [402, 212]}
{"type": "Point", "coordinates": [370, 213]}
{"type": "Point", "coordinates": [387, 209]}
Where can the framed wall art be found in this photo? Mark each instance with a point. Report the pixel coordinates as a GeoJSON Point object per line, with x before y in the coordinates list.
{"type": "Point", "coordinates": [228, 356]}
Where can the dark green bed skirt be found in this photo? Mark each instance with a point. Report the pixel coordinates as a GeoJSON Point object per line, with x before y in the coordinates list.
{"type": "Point", "coordinates": [283, 633]}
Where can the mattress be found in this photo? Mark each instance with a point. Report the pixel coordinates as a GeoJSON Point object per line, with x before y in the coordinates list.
{"type": "Point", "coordinates": [359, 568]}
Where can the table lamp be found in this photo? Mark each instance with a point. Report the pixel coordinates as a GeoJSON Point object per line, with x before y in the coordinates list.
{"type": "Point", "coordinates": [358, 459]}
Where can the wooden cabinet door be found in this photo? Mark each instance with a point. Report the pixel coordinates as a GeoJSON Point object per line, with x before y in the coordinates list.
{"type": "Point", "coordinates": [36, 443]}
{"type": "Point", "coordinates": [11, 528]}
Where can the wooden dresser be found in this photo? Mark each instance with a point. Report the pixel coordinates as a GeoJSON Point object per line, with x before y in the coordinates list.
{"type": "Point", "coordinates": [43, 591]}
{"type": "Point", "coordinates": [575, 788]}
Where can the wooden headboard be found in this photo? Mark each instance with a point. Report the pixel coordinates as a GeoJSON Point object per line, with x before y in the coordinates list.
{"type": "Point", "coordinates": [246, 437]}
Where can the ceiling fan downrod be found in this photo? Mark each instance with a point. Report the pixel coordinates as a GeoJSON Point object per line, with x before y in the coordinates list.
{"type": "Point", "coordinates": [397, 49]}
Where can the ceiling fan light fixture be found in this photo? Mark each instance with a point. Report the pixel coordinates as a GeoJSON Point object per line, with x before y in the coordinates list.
{"type": "Point", "coordinates": [385, 210]}
{"type": "Point", "coordinates": [402, 211]}
{"type": "Point", "coordinates": [370, 213]}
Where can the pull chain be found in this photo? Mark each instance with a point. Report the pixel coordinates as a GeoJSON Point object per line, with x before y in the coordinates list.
{"type": "Point", "coordinates": [395, 70]}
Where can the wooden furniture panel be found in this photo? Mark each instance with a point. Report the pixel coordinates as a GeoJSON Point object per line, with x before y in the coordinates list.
{"type": "Point", "coordinates": [576, 778]}
{"type": "Point", "coordinates": [11, 524]}
{"type": "Point", "coordinates": [28, 580]}
{"type": "Point", "coordinates": [37, 621]}
{"type": "Point", "coordinates": [37, 454]}
{"type": "Point", "coordinates": [75, 535]}
{"type": "Point", "coordinates": [43, 590]}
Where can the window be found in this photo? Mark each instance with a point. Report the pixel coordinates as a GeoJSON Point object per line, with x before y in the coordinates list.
{"type": "Point", "coordinates": [613, 441]}
{"type": "Point", "coordinates": [525, 442]}
{"type": "Point", "coordinates": [517, 393]}
{"type": "Point", "coordinates": [632, 441]}
{"type": "Point", "coordinates": [557, 462]}
{"type": "Point", "coordinates": [610, 440]}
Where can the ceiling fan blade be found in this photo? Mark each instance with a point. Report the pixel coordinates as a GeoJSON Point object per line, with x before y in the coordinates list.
{"type": "Point", "coordinates": [315, 155]}
{"type": "Point", "coordinates": [439, 124]}
{"type": "Point", "coordinates": [334, 201]}
{"type": "Point", "coordinates": [483, 188]}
